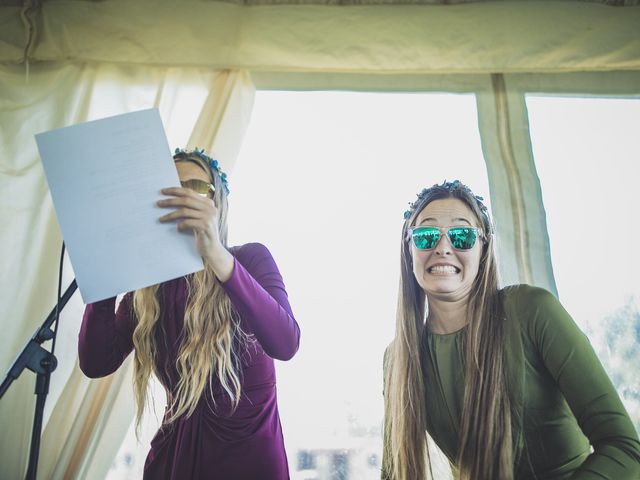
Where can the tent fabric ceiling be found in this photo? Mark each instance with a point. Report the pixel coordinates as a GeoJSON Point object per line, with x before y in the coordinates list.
{"type": "Point", "coordinates": [471, 38]}
{"type": "Point", "coordinates": [615, 3]}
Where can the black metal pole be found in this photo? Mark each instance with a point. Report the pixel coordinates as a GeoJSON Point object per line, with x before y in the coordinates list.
{"type": "Point", "coordinates": [33, 346]}
{"type": "Point", "coordinates": [42, 362]}
{"type": "Point", "coordinates": [42, 389]}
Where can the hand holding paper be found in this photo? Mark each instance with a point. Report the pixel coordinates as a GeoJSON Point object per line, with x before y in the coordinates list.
{"type": "Point", "coordinates": [198, 213]}
{"type": "Point", "coordinates": [105, 178]}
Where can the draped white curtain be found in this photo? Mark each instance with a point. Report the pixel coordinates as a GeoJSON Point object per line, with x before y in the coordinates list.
{"type": "Point", "coordinates": [85, 420]}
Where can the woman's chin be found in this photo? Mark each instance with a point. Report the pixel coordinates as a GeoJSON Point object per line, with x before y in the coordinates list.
{"type": "Point", "coordinates": [449, 289]}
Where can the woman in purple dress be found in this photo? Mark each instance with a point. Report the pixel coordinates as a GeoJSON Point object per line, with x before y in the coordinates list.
{"type": "Point", "coordinates": [210, 338]}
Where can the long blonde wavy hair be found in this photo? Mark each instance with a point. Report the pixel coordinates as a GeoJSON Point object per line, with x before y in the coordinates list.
{"type": "Point", "coordinates": [211, 329]}
{"type": "Point", "coordinates": [485, 450]}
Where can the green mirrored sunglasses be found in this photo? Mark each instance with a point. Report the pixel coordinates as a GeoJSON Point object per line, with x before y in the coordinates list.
{"type": "Point", "coordinates": [461, 238]}
{"type": "Point", "coordinates": [200, 187]}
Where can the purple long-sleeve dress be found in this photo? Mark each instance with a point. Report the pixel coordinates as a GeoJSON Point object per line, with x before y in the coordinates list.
{"type": "Point", "coordinates": [212, 443]}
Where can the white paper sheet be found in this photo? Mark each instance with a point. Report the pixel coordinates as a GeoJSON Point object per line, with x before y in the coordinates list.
{"type": "Point", "coordinates": [105, 178]}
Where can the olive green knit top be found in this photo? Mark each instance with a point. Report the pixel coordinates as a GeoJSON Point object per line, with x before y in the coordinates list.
{"type": "Point", "coordinates": [573, 424]}
{"type": "Point", "coordinates": [567, 401]}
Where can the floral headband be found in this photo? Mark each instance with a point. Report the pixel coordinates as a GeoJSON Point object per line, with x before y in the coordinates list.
{"type": "Point", "coordinates": [449, 186]}
{"type": "Point", "coordinates": [199, 152]}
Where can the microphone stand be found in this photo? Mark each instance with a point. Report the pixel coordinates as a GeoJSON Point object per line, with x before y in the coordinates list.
{"type": "Point", "coordinates": [42, 363]}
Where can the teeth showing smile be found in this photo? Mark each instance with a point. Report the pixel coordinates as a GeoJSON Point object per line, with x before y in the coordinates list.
{"type": "Point", "coordinates": [439, 269]}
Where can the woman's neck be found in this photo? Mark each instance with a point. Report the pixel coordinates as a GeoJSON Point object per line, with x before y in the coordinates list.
{"type": "Point", "coordinates": [447, 316]}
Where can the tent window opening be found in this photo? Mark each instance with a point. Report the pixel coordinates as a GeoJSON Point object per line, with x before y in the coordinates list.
{"type": "Point", "coordinates": [586, 152]}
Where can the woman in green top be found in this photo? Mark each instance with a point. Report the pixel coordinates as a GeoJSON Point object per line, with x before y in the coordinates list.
{"type": "Point", "coordinates": [503, 380]}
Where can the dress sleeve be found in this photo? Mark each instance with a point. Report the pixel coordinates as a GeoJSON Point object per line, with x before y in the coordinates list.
{"type": "Point", "coordinates": [106, 336]}
{"type": "Point", "coordinates": [258, 294]}
{"type": "Point", "coordinates": [572, 362]}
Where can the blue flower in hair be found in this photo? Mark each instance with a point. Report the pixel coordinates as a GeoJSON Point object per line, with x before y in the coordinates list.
{"type": "Point", "coordinates": [213, 163]}
{"type": "Point", "coordinates": [450, 186]}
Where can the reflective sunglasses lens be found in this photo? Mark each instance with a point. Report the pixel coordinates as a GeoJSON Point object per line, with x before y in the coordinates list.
{"type": "Point", "coordinates": [199, 186]}
{"type": "Point", "coordinates": [462, 238]}
{"type": "Point", "coordinates": [425, 238]}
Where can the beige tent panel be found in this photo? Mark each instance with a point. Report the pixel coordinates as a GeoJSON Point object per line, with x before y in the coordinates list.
{"type": "Point", "coordinates": [485, 37]}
